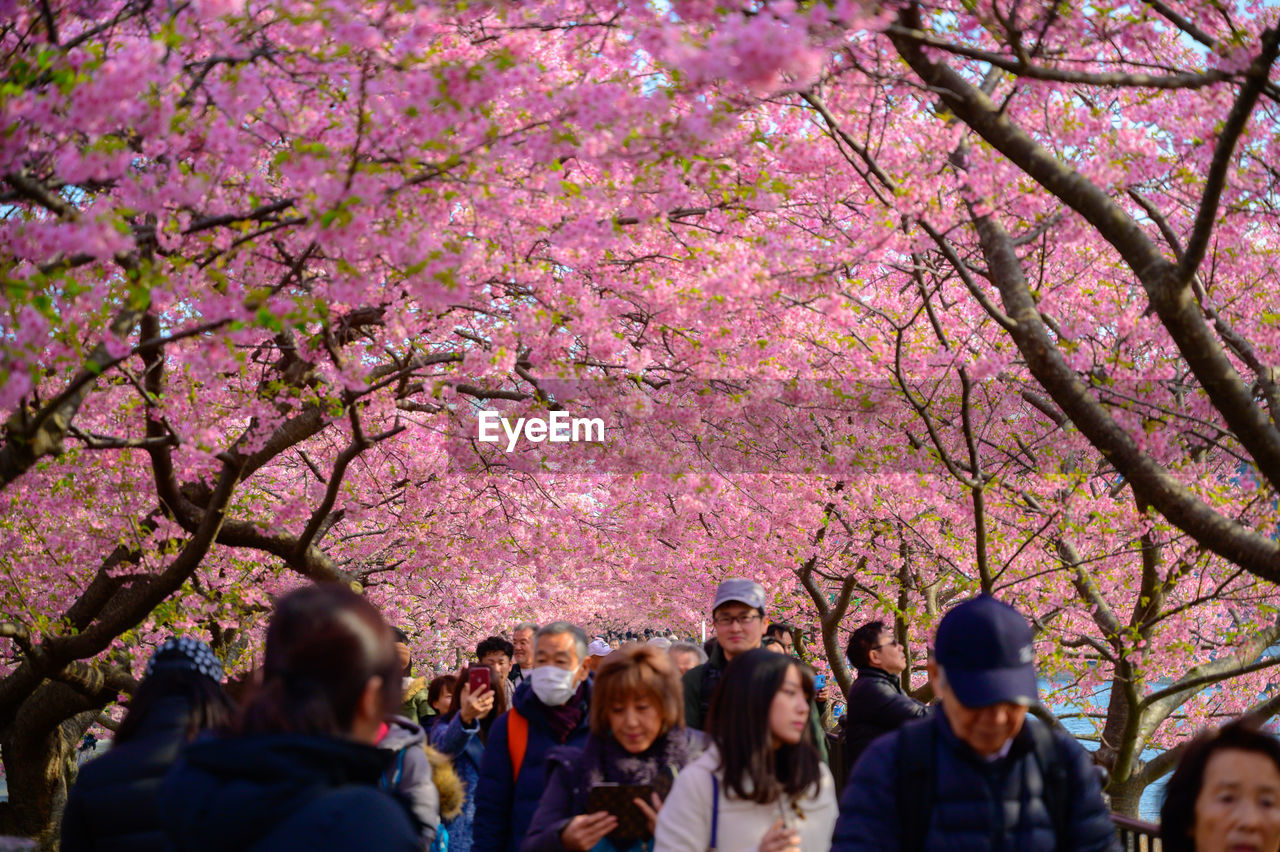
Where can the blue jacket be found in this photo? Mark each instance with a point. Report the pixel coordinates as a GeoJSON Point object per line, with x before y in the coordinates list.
{"type": "Point", "coordinates": [505, 806]}
{"type": "Point", "coordinates": [466, 747]}
{"type": "Point", "coordinates": [978, 806]}
{"type": "Point", "coordinates": [282, 792]}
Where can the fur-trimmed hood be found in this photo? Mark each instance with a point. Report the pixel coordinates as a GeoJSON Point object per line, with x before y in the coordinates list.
{"type": "Point", "coordinates": [413, 687]}
{"type": "Point", "coordinates": [448, 784]}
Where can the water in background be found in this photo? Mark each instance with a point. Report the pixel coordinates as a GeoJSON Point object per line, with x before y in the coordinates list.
{"type": "Point", "coordinates": [1149, 804]}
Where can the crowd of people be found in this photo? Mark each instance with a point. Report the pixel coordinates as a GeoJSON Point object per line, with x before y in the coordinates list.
{"type": "Point", "coordinates": [551, 741]}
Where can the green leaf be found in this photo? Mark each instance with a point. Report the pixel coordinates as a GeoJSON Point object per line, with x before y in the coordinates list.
{"type": "Point", "coordinates": [268, 320]}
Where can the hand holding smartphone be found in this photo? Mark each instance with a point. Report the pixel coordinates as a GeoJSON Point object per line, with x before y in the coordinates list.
{"type": "Point", "coordinates": [479, 679]}
{"type": "Point", "coordinates": [477, 695]}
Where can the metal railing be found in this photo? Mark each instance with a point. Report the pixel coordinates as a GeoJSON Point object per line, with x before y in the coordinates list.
{"type": "Point", "coordinates": [1136, 835]}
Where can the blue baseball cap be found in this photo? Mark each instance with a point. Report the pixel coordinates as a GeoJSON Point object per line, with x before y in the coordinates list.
{"type": "Point", "coordinates": [985, 646]}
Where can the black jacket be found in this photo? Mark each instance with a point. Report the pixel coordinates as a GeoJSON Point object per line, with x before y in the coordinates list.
{"type": "Point", "coordinates": [977, 805]}
{"type": "Point", "coordinates": [113, 803]}
{"type": "Point", "coordinates": [877, 705]}
{"type": "Point", "coordinates": [699, 686]}
{"type": "Point", "coordinates": [284, 792]}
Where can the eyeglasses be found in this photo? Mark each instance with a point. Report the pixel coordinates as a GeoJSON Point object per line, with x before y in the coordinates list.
{"type": "Point", "coordinates": [744, 620]}
{"type": "Point", "coordinates": [893, 642]}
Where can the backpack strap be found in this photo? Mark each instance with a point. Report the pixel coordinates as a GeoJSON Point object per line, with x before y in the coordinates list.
{"type": "Point", "coordinates": [917, 757]}
{"type": "Point", "coordinates": [1053, 770]}
{"type": "Point", "coordinates": [393, 780]}
{"type": "Point", "coordinates": [715, 811]}
{"type": "Point", "coordinates": [517, 740]}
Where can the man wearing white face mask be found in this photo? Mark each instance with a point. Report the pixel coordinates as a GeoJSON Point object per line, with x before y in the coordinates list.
{"type": "Point", "coordinates": [550, 709]}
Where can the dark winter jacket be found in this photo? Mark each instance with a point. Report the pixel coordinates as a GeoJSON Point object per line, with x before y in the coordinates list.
{"type": "Point", "coordinates": [700, 684]}
{"type": "Point", "coordinates": [465, 747]}
{"type": "Point", "coordinates": [113, 804]}
{"type": "Point", "coordinates": [877, 705]}
{"type": "Point", "coordinates": [278, 792]}
{"type": "Point", "coordinates": [505, 806]}
{"type": "Point", "coordinates": [574, 771]}
{"type": "Point", "coordinates": [978, 805]}
{"type": "Point", "coordinates": [410, 774]}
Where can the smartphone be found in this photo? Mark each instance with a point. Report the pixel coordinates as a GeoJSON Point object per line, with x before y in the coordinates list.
{"type": "Point", "coordinates": [619, 800]}
{"type": "Point", "coordinates": [819, 682]}
{"type": "Point", "coordinates": [478, 678]}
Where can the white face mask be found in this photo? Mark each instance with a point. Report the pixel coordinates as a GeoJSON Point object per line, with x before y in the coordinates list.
{"type": "Point", "coordinates": [553, 685]}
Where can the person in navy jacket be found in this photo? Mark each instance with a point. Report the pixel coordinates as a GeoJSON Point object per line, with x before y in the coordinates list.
{"type": "Point", "coordinates": [553, 702]}
{"type": "Point", "coordinates": [981, 774]}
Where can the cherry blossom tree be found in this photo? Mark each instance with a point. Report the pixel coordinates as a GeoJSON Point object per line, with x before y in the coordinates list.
{"type": "Point", "coordinates": [888, 302]}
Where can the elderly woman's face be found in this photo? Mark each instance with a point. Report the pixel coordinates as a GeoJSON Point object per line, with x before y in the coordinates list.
{"type": "Point", "coordinates": [1239, 803]}
{"type": "Point", "coordinates": [636, 721]}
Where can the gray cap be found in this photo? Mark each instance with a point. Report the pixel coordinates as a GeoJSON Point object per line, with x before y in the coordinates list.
{"type": "Point", "coordinates": [739, 590]}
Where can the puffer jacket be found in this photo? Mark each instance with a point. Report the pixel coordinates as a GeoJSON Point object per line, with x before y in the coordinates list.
{"type": "Point", "coordinates": [877, 705]}
{"type": "Point", "coordinates": [113, 803]}
{"type": "Point", "coordinates": [410, 774]}
{"type": "Point", "coordinates": [978, 805]}
{"type": "Point", "coordinates": [505, 805]}
{"type": "Point", "coordinates": [574, 771]}
{"type": "Point", "coordinates": [283, 792]}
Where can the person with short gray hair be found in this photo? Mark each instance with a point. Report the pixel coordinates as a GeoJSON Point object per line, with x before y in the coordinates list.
{"type": "Point", "coordinates": [550, 711]}
{"type": "Point", "coordinates": [560, 628]}
{"type": "Point", "coordinates": [522, 641]}
{"type": "Point", "coordinates": [686, 655]}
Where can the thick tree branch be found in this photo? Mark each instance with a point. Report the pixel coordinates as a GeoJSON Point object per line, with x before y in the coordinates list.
{"type": "Point", "coordinates": [1256, 553]}
{"type": "Point", "coordinates": [1168, 290]}
{"type": "Point", "coordinates": [1019, 66]}
{"type": "Point", "coordinates": [1223, 152]}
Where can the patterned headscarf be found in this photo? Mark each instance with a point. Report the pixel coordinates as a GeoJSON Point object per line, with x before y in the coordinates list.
{"type": "Point", "coordinates": [183, 653]}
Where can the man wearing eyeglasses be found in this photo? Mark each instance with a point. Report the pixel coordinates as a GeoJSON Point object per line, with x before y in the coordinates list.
{"type": "Point", "coordinates": [877, 703]}
{"type": "Point", "coordinates": [740, 621]}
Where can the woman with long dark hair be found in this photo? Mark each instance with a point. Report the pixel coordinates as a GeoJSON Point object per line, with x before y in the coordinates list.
{"type": "Point", "coordinates": [762, 784]}
{"type": "Point", "coordinates": [462, 735]}
{"type": "Point", "coordinates": [113, 804]}
{"type": "Point", "coordinates": [1225, 793]}
{"type": "Point", "coordinates": [301, 771]}
{"type": "Point", "coordinates": [637, 737]}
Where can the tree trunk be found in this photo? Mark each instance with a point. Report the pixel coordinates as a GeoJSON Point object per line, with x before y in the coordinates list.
{"type": "Point", "coordinates": [39, 753]}
{"type": "Point", "coordinates": [1126, 796]}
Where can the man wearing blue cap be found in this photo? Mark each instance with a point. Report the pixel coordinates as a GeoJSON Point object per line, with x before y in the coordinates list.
{"type": "Point", "coordinates": [980, 775]}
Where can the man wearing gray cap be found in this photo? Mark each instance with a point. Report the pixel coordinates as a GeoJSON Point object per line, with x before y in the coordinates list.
{"type": "Point", "coordinates": [982, 774]}
{"type": "Point", "coordinates": [739, 616]}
